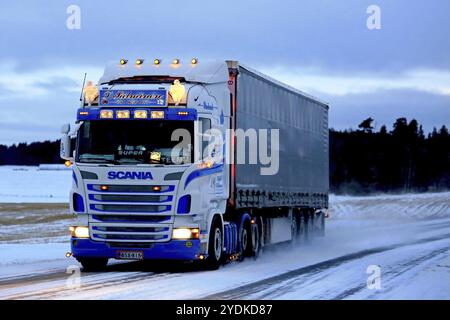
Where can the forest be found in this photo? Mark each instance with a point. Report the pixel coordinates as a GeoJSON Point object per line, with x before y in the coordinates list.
{"type": "Point", "coordinates": [362, 161]}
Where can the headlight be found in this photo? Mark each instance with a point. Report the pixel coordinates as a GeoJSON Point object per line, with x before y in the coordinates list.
{"type": "Point", "coordinates": [79, 232]}
{"type": "Point", "coordinates": [185, 233]}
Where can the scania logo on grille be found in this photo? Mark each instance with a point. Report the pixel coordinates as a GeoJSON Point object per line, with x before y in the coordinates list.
{"type": "Point", "coordinates": [129, 175]}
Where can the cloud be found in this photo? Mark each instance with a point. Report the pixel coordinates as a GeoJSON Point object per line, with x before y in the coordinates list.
{"type": "Point", "coordinates": [328, 33]}
{"type": "Point", "coordinates": [317, 81]}
{"type": "Point", "coordinates": [321, 47]}
{"type": "Point", "coordinates": [43, 82]}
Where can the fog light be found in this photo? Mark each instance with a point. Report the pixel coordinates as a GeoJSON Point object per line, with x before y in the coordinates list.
{"type": "Point", "coordinates": [79, 232]}
{"type": "Point", "coordinates": [185, 233]}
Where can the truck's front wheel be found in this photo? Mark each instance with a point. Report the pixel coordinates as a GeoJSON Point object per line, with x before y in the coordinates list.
{"type": "Point", "coordinates": [215, 246]}
{"type": "Point", "coordinates": [93, 264]}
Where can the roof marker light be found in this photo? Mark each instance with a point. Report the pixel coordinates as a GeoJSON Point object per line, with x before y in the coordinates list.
{"type": "Point", "coordinates": [194, 60]}
{"type": "Point", "coordinates": [157, 62]}
{"type": "Point", "coordinates": [106, 114]}
{"type": "Point", "coordinates": [157, 114]}
{"type": "Point", "coordinates": [139, 61]}
{"type": "Point", "coordinates": [123, 114]}
{"type": "Point", "coordinates": [140, 114]}
{"type": "Point", "coordinates": [123, 61]}
{"type": "Point", "coordinates": [176, 61]}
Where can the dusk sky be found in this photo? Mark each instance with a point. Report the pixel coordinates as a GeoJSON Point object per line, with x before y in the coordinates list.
{"type": "Point", "coordinates": [322, 47]}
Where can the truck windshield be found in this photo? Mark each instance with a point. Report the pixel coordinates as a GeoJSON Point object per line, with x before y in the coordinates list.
{"type": "Point", "coordinates": [138, 142]}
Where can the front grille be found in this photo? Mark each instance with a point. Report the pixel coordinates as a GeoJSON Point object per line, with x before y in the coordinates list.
{"type": "Point", "coordinates": [130, 218]}
{"type": "Point", "coordinates": [130, 232]}
{"type": "Point", "coordinates": [129, 188]}
{"type": "Point", "coordinates": [129, 208]}
{"type": "Point", "coordinates": [129, 229]}
{"type": "Point", "coordinates": [138, 237]}
{"type": "Point", "coordinates": [130, 214]}
{"type": "Point", "coordinates": [129, 198]}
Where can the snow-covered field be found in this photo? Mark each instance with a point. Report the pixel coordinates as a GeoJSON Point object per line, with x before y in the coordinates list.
{"type": "Point", "coordinates": [405, 237]}
{"type": "Point", "coordinates": [29, 184]}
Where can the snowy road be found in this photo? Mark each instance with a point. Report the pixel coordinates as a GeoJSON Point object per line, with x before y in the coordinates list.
{"type": "Point", "coordinates": [407, 237]}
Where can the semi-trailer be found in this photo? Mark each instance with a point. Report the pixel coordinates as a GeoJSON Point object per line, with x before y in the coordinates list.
{"type": "Point", "coordinates": [195, 161]}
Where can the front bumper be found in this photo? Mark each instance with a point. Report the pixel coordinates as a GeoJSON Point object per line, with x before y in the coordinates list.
{"type": "Point", "coordinates": [187, 250]}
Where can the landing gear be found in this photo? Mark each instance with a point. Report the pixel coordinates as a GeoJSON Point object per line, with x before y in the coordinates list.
{"type": "Point", "coordinates": [93, 264]}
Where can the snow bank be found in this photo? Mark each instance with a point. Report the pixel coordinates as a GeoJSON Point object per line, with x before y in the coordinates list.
{"type": "Point", "coordinates": [417, 206]}
{"type": "Point", "coordinates": [26, 184]}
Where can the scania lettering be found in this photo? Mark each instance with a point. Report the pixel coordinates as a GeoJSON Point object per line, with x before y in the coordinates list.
{"type": "Point", "coordinates": [129, 175]}
{"type": "Point", "coordinates": [197, 161]}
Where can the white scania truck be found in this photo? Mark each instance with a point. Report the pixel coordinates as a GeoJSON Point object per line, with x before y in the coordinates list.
{"type": "Point", "coordinates": [138, 195]}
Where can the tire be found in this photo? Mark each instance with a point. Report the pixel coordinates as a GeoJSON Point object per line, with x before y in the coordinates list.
{"type": "Point", "coordinates": [294, 229]}
{"type": "Point", "coordinates": [215, 246]}
{"type": "Point", "coordinates": [93, 264]}
{"type": "Point", "coordinates": [306, 221]}
{"type": "Point", "coordinates": [321, 222]}
{"type": "Point", "coordinates": [256, 240]}
{"type": "Point", "coordinates": [245, 241]}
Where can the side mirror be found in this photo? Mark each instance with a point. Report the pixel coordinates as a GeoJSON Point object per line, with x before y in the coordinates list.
{"type": "Point", "coordinates": [65, 128]}
{"type": "Point", "coordinates": [65, 151]}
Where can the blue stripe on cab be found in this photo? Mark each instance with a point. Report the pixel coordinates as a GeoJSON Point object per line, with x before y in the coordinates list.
{"type": "Point", "coordinates": [203, 172]}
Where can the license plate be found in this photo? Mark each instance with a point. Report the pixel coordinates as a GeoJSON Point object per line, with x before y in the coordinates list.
{"type": "Point", "coordinates": [130, 255]}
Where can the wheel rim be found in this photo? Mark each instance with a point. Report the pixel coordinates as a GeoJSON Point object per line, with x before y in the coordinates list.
{"type": "Point", "coordinates": [217, 244]}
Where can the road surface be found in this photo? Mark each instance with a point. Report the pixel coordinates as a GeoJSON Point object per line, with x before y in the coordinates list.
{"type": "Point", "coordinates": [403, 251]}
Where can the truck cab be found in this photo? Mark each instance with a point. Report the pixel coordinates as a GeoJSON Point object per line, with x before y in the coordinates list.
{"type": "Point", "coordinates": [149, 181]}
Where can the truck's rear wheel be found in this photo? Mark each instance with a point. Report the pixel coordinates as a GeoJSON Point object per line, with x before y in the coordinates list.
{"type": "Point", "coordinates": [256, 240]}
{"type": "Point", "coordinates": [245, 241]}
{"type": "Point", "coordinates": [93, 264]}
{"type": "Point", "coordinates": [215, 246]}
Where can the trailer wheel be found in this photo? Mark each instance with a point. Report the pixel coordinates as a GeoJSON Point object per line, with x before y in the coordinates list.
{"type": "Point", "coordinates": [294, 228]}
{"type": "Point", "coordinates": [320, 224]}
{"type": "Point", "coordinates": [93, 264]}
{"type": "Point", "coordinates": [215, 246]}
{"type": "Point", "coordinates": [305, 223]}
